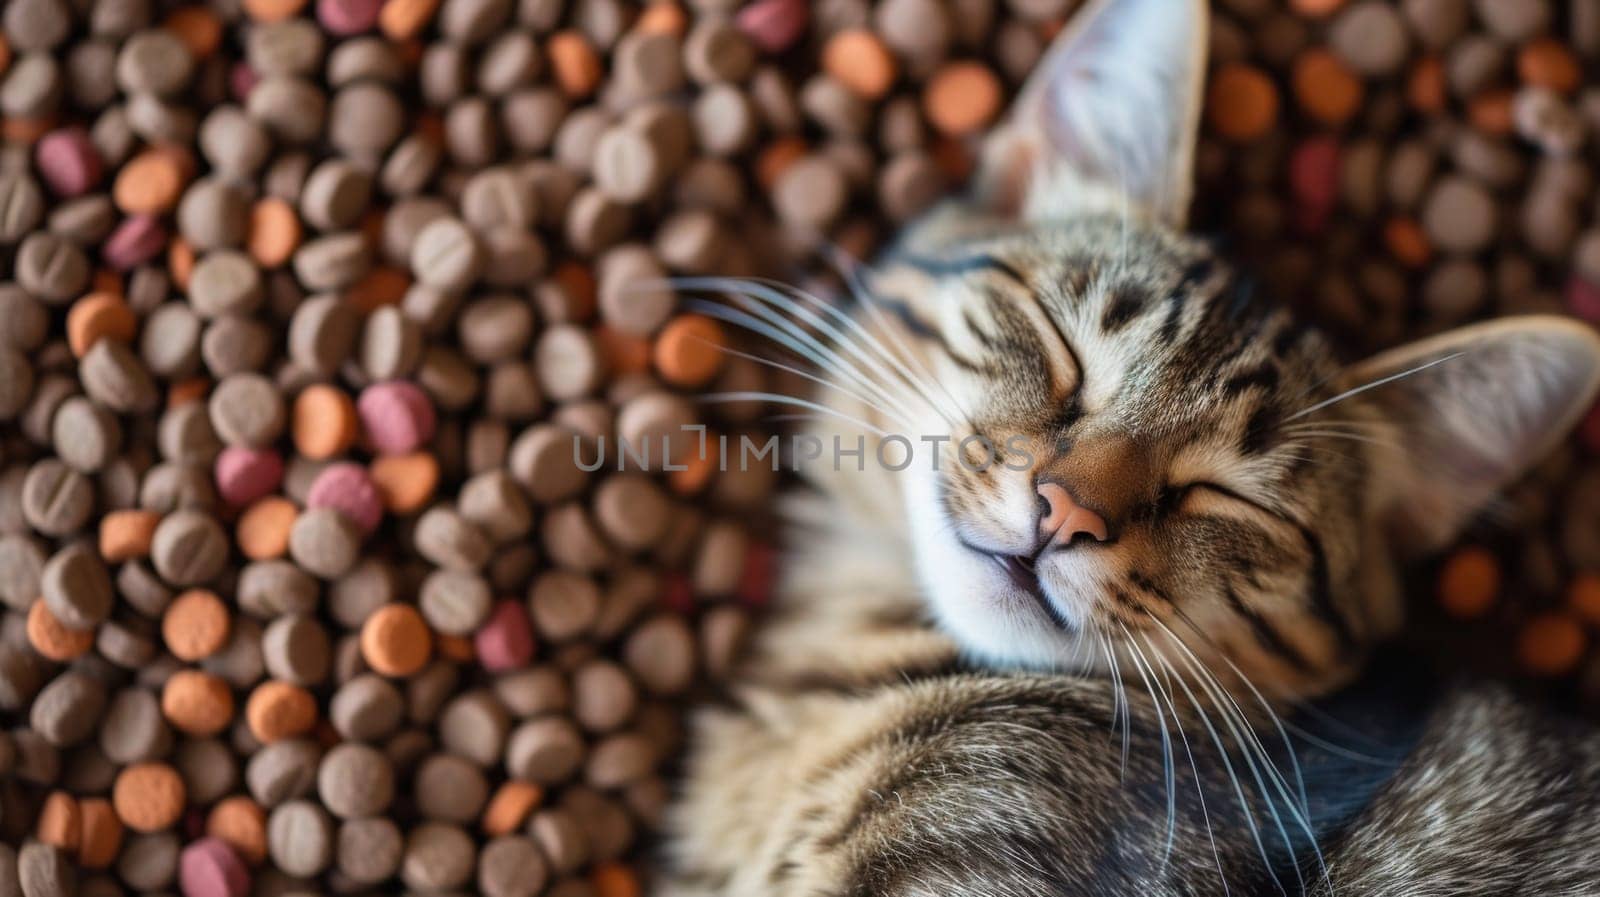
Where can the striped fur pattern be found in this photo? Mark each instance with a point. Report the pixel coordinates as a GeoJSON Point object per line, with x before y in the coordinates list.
{"type": "Point", "coordinates": [944, 703]}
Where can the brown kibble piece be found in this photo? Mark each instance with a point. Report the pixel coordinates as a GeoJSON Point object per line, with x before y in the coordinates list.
{"type": "Point", "coordinates": [101, 839]}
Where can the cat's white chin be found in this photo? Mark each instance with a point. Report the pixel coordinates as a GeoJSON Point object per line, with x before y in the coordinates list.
{"type": "Point", "coordinates": [995, 621]}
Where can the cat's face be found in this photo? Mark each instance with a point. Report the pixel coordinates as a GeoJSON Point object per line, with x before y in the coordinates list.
{"type": "Point", "coordinates": [1149, 473]}
{"type": "Point", "coordinates": [1173, 478]}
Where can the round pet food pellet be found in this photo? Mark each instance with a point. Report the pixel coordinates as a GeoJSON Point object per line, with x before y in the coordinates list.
{"type": "Point", "coordinates": [355, 781]}
{"type": "Point", "coordinates": [324, 542]}
{"type": "Point", "coordinates": [396, 641]}
{"type": "Point", "coordinates": [148, 797]}
{"type": "Point", "coordinates": [210, 867]}
{"type": "Point", "coordinates": [189, 548]}
{"type": "Point", "coordinates": [346, 488]}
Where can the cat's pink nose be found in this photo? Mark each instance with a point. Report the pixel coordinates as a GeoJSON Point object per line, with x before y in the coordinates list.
{"type": "Point", "coordinates": [1065, 518]}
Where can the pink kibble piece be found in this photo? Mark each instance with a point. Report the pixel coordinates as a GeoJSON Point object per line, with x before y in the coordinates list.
{"type": "Point", "coordinates": [774, 25]}
{"type": "Point", "coordinates": [1583, 299]}
{"type": "Point", "coordinates": [505, 642]}
{"type": "Point", "coordinates": [348, 17]}
{"type": "Point", "coordinates": [397, 417]}
{"type": "Point", "coordinates": [241, 80]}
{"type": "Point", "coordinates": [246, 474]}
{"type": "Point", "coordinates": [135, 241]}
{"type": "Point", "coordinates": [69, 161]}
{"type": "Point", "coordinates": [346, 488]}
{"type": "Point", "coordinates": [757, 578]}
{"type": "Point", "coordinates": [1589, 430]}
{"type": "Point", "coordinates": [209, 868]}
{"type": "Point", "coordinates": [677, 594]}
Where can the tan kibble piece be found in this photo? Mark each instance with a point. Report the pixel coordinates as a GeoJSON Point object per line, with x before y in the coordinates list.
{"type": "Point", "coordinates": [148, 797]}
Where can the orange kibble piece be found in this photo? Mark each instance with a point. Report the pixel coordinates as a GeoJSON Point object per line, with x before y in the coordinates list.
{"type": "Point", "coordinates": [404, 19]}
{"type": "Point", "coordinates": [183, 392]}
{"type": "Point", "coordinates": [858, 59]}
{"type": "Point", "coordinates": [26, 130]}
{"type": "Point", "coordinates": [1316, 8]}
{"type": "Point", "coordinates": [961, 98]}
{"type": "Point", "coordinates": [278, 710]}
{"type": "Point", "coordinates": [624, 353]}
{"type": "Point", "coordinates": [510, 806]}
{"type": "Point", "coordinates": [1242, 102]}
{"type": "Point", "coordinates": [106, 281]}
{"type": "Point", "coordinates": [1407, 241]}
{"type": "Point", "coordinates": [149, 183]}
{"type": "Point", "coordinates": [1551, 644]}
{"type": "Point", "coordinates": [456, 648]}
{"type": "Point", "coordinates": [125, 535]}
{"type": "Point", "coordinates": [148, 797]}
{"type": "Point", "coordinates": [689, 350]}
{"type": "Point", "coordinates": [197, 703]}
{"type": "Point", "coordinates": [693, 473]}
{"type": "Point", "coordinates": [395, 641]}
{"type": "Point", "coordinates": [574, 63]}
{"type": "Point", "coordinates": [1325, 87]}
{"type": "Point", "coordinates": [262, 531]}
{"type": "Point", "coordinates": [405, 482]}
{"type": "Point", "coordinates": [180, 261]}
{"type": "Point", "coordinates": [242, 823]}
{"type": "Point", "coordinates": [5, 53]}
{"type": "Point", "coordinates": [1547, 62]}
{"type": "Point", "coordinates": [52, 639]}
{"type": "Point", "coordinates": [274, 232]}
{"type": "Point", "coordinates": [196, 625]}
{"type": "Point", "coordinates": [102, 833]}
{"type": "Point", "coordinates": [1469, 582]}
{"type": "Point", "coordinates": [1425, 85]}
{"type": "Point", "coordinates": [1583, 597]}
{"type": "Point", "coordinates": [60, 822]}
{"type": "Point", "coordinates": [198, 27]}
{"type": "Point", "coordinates": [324, 422]}
{"type": "Point", "coordinates": [1490, 112]}
{"type": "Point", "coordinates": [662, 17]}
{"type": "Point", "coordinates": [272, 10]}
{"type": "Point", "coordinates": [99, 316]}
{"type": "Point", "coordinates": [612, 879]}
{"type": "Point", "coordinates": [776, 157]}
{"type": "Point", "coordinates": [380, 286]}
{"type": "Point", "coordinates": [578, 281]}
{"type": "Point", "coordinates": [953, 159]}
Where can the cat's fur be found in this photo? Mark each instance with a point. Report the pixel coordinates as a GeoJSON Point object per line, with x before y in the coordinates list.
{"type": "Point", "coordinates": [886, 735]}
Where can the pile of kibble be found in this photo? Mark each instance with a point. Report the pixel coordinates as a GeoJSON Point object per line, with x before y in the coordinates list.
{"type": "Point", "coordinates": [303, 303]}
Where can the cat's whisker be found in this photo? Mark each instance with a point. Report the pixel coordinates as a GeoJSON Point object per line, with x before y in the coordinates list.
{"type": "Point", "coordinates": [803, 345]}
{"type": "Point", "coordinates": [1372, 384]}
{"type": "Point", "coordinates": [896, 358]}
{"type": "Point", "coordinates": [1122, 709]}
{"type": "Point", "coordinates": [851, 268]}
{"type": "Point", "coordinates": [822, 381]}
{"type": "Point", "coordinates": [712, 398]}
{"type": "Point", "coordinates": [1167, 761]}
{"type": "Point", "coordinates": [1233, 779]}
{"type": "Point", "coordinates": [1239, 725]}
{"type": "Point", "coordinates": [770, 300]}
{"type": "Point", "coordinates": [1167, 674]}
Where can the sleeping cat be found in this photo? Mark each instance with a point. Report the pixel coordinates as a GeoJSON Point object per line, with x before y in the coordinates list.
{"type": "Point", "coordinates": [1051, 662]}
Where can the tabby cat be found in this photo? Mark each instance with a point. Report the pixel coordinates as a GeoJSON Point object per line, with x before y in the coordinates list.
{"type": "Point", "coordinates": [1062, 676]}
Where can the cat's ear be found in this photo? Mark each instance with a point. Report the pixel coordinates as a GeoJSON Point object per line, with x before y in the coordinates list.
{"type": "Point", "coordinates": [1109, 115]}
{"type": "Point", "coordinates": [1473, 409]}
